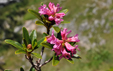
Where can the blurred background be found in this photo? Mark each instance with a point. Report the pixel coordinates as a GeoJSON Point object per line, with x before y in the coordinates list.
{"type": "Point", "coordinates": [91, 19]}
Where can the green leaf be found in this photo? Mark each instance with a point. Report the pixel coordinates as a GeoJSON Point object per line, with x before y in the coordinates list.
{"type": "Point", "coordinates": [40, 41]}
{"type": "Point", "coordinates": [21, 69]}
{"type": "Point", "coordinates": [25, 42]}
{"type": "Point", "coordinates": [7, 70]}
{"type": "Point", "coordinates": [35, 13]}
{"type": "Point", "coordinates": [70, 60]}
{"type": "Point", "coordinates": [14, 43]}
{"type": "Point", "coordinates": [32, 69]}
{"type": "Point", "coordinates": [39, 23]}
{"type": "Point", "coordinates": [45, 34]}
{"type": "Point", "coordinates": [34, 44]}
{"type": "Point", "coordinates": [29, 50]}
{"type": "Point", "coordinates": [24, 46]}
{"type": "Point", "coordinates": [65, 22]}
{"type": "Point", "coordinates": [26, 36]}
{"type": "Point", "coordinates": [20, 51]}
{"type": "Point", "coordinates": [33, 35]}
{"type": "Point", "coordinates": [64, 11]}
{"type": "Point", "coordinates": [47, 45]}
{"type": "Point", "coordinates": [57, 29]}
{"type": "Point", "coordinates": [76, 56]}
{"type": "Point", "coordinates": [33, 38]}
{"type": "Point", "coordinates": [37, 55]}
{"type": "Point", "coordinates": [55, 60]}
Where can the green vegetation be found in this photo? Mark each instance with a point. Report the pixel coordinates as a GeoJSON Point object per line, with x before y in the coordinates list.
{"type": "Point", "coordinates": [98, 58]}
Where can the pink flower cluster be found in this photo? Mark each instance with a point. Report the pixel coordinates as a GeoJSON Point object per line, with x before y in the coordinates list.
{"type": "Point", "coordinates": [52, 12]}
{"type": "Point", "coordinates": [62, 47]}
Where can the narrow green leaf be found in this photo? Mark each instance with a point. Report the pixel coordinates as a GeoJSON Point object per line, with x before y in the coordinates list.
{"type": "Point", "coordinates": [76, 56]}
{"type": "Point", "coordinates": [34, 44]}
{"type": "Point", "coordinates": [33, 35]}
{"type": "Point", "coordinates": [70, 60]}
{"type": "Point", "coordinates": [39, 23]}
{"type": "Point", "coordinates": [28, 50]}
{"type": "Point", "coordinates": [35, 13]}
{"type": "Point", "coordinates": [25, 42]}
{"type": "Point", "coordinates": [37, 55]}
{"type": "Point", "coordinates": [26, 35]}
{"type": "Point", "coordinates": [7, 70]}
{"type": "Point", "coordinates": [14, 43]}
{"type": "Point", "coordinates": [21, 69]}
{"type": "Point", "coordinates": [65, 22]}
{"type": "Point", "coordinates": [55, 60]}
{"type": "Point", "coordinates": [57, 29]}
{"type": "Point", "coordinates": [45, 34]}
{"type": "Point", "coordinates": [40, 41]}
{"type": "Point", "coordinates": [20, 51]}
{"type": "Point", "coordinates": [64, 11]}
{"type": "Point", "coordinates": [24, 46]}
{"type": "Point", "coordinates": [33, 38]}
{"type": "Point", "coordinates": [47, 45]}
{"type": "Point", "coordinates": [32, 69]}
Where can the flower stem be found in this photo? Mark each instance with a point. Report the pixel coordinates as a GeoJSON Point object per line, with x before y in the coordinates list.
{"type": "Point", "coordinates": [46, 62]}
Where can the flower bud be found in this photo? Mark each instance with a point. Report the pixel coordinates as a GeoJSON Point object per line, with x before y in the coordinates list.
{"type": "Point", "coordinates": [29, 46]}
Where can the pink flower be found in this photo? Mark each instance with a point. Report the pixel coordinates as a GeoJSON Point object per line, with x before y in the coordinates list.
{"type": "Point", "coordinates": [52, 12]}
{"type": "Point", "coordinates": [62, 47]}
{"type": "Point", "coordinates": [65, 54]}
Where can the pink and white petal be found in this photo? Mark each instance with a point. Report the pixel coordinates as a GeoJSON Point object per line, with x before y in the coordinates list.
{"type": "Point", "coordinates": [52, 39]}
{"type": "Point", "coordinates": [76, 46]}
{"type": "Point", "coordinates": [51, 5]}
{"type": "Point", "coordinates": [57, 21]}
{"type": "Point", "coordinates": [65, 54]}
{"type": "Point", "coordinates": [69, 47]}
{"type": "Point", "coordinates": [59, 15]}
{"type": "Point", "coordinates": [63, 34]}
{"type": "Point", "coordinates": [58, 7]}
{"type": "Point", "coordinates": [73, 39]}
{"type": "Point", "coordinates": [51, 18]}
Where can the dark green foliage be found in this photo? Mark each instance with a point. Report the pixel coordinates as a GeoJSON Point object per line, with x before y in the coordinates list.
{"type": "Point", "coordinates": [32, 69]}
{"type": "Point", "coordinates": [21, 69]}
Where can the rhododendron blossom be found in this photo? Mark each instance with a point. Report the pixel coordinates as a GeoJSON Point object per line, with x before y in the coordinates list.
{"type": "Point", "coordinates": [62, 47]}
{"type": "Point", "coordinates": [52, 12]}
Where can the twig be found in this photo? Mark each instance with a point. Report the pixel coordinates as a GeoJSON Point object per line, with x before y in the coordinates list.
{"type": "Point", "coordinates": [42, 51]}
{"type": "Point", "coordinates": [31, 61]}
{"type": "Point", "coordinates": [46, 62]}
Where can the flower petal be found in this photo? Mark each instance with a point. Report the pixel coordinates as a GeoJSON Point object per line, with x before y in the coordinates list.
{"type": "Point", "coordinates": [51, 18]}
{"type": "Point", "coordinates": [65, 54]}
{"type": "Point", "coordinates": [52, 39]}
{"type": "Point", "coordinates": [64, 34]}
{"type": "Point", "coordinates": [73, 39]}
